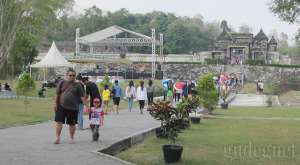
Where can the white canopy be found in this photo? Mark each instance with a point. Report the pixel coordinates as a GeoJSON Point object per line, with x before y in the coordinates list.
{"type": "Point", "coordinates": [109, 32]}
{"type": "Point", "coordinates": [53, 59]}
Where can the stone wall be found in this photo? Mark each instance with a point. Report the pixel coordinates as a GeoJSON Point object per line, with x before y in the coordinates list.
{"type": "Point", "coordinates": [271, 73]}
{"type": "Point", "coordinates": [189, 71]}
{"type": "Point", "coordinates": [252, 73]}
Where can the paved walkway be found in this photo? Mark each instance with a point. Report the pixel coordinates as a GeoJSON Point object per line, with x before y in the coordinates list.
{"type": "Point", "coordinates": [33, 144]}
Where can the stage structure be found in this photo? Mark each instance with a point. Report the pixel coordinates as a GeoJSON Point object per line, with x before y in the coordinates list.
{"type": "Point", "coordinates": [115, 38]}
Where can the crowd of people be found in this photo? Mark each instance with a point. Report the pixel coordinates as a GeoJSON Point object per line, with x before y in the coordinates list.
{"type": "Point", "coordinates": [225, 84]}
{"type": "Point", "coordinates": [77, 95]}
{"type": "Point", "coordinates": [174, 91]}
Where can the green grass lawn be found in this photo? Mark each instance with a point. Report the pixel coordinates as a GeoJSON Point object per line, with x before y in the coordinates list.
{"type": "Point", "coordinates": [14, 112]}
{"type": "Point", "coordinates": [290, 112]}
{"type": "Point", "coordinates": [213, 142]}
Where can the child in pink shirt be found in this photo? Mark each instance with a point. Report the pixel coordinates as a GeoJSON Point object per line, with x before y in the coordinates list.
{"type": "Point", "coordinates": [96, 118]}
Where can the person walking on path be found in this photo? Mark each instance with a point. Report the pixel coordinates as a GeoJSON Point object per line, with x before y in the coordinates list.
{"type": "Point", "coordinates": [130, 94]}
{"type": "Point", "coordinates": [96, 120]}
{"type": "Point", "coordinates": [150, 92]}
{"type": "Point", "coordinates": [170, 94]}
{"type": "Point", "coordinates": [141, 96]}
{"type": "Point", "coordinates": [92, 90]}
{"type": "Point", "coordinates": [117, 94]}
{"type": "Point", "coordinates": [106, 97]}
{"type": "Point", "coordinates": [68, 96]}
{"type": "Point", "coordinates": [81, 105]}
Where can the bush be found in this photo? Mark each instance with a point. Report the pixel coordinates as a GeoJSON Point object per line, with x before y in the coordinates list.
{"type": "Point", "coordinates": [211, 61]}
{"type": "Point", "coordinates": [164, 112]}
{"type": "Point", "coordinates": [255, 62]}
{"type": "Point", "coordinates": [122, 55]}
{"type": "Point", "coordinates": [105, 81]}
{"type": "Point", "coordinates": [273, 88]}
{"type": "Point", "coordinates": [25, 84]}
{"type": "Point", "coordinates": [207, 91]}
{"type": "Point", "coordinates": [158, 91]}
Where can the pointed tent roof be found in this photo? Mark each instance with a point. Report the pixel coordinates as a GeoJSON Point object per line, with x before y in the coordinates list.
{"type": "Point", "coordinates": [52, 59]}
{"type": "Point", "coordinates": [109, 32]}
{"type": "Point", "coordinates": [261, 36]}
{"type": "Point", "coordinates": [225, 36]}
{"type": "Point", "coordinates": [272, 40]}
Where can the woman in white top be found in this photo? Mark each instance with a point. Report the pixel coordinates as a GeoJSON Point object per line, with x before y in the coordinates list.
{"type": "Point", "coordinates": [130, 94]}
{"type": "Point", "coordinates": [141, 95]}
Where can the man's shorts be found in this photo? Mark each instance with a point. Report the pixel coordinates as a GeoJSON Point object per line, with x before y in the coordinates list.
{"type": "Point", "coordinates": [116, 100]}
{"type": "Point", "coordinates": [66, 116]}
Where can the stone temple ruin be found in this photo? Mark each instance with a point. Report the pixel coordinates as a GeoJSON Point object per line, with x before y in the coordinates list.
{"type": "Point", "coordinates": [234, 48]}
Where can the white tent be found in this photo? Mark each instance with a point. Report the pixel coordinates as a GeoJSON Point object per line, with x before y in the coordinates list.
{"type": "Point", "coordinates": [53, 59]}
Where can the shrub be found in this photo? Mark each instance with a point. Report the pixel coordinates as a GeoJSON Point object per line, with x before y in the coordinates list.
{"type": "Point", "coordinates": [122, 55]}
{"type": "Point", "coordinates": [163, 111]}
{"type": "Point", "coordinates": [207, 91]}
{"type": "Point", "coordinates": [25, 84]}
{"type": "Point", "coordinates": [255, 62]}
{"type": "Point", "coordinates": [158, 91]}
{"type": "Point", "coordinates": [214, 61]}
{"type": "Point", "coordinates": [273, 88]}
{"type": "Point", "coordinates": [105, 81]}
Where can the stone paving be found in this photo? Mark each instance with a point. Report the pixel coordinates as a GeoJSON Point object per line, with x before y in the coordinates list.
{"type": "Point", "coordinates": [33, 144]}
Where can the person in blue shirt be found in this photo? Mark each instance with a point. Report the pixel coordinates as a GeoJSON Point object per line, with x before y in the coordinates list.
{"type": "Point", "coordinates": [116, 95]}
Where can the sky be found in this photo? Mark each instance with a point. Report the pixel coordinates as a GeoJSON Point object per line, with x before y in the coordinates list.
{"type": "Point", "coordinates": [254, 13]}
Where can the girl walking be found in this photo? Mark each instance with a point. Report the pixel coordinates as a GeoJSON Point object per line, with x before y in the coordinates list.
{"type": "Point", "coordinates": [141, 96]}
{"type": "Point", "coordinates": [106, 97]}
{"type": "Point", "coordinates": [130, 94]}
{"type": "Point", "coordinates": [96, 120]}
{"type": "Point", "coordinates": [150, 92]}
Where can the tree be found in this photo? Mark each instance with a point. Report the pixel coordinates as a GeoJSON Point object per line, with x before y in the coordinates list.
{"type": "Point", "coordinates": [105, 81]}
{"type": "Point", "coordinates": [287, 10]}
{"type": "Point", "coordinates": [245, 29]}
{"type": "Point", "coordinates": [283, 46]}
{"type": "Point", "coordinates": [25, 85]}
{"type": "Point", "coordinates": [23, 52]}
{"type": "Point", "coordinates": [207, 92]}
{"type": "Point", "coordinates": [29, 14]}
{"type": "Point", "coordinates": [224, 26]}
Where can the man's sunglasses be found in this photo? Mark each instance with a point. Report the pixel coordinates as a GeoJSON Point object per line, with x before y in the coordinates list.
{"type": "Point", "coordinates": [72, 75]}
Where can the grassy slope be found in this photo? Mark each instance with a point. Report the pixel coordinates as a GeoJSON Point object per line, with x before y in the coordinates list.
{"type": "Point", "coordinates": [290, 98]}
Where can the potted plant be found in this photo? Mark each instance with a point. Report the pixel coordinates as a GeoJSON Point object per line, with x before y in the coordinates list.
{"type": "Point", "coordinates": [163, 111]}
{"type": "Point", "coordinates": [224, 93]}
{"type": "Point", "coordinates": [191, 106]}
{"type": "Point", "coordinates": [182, 113]}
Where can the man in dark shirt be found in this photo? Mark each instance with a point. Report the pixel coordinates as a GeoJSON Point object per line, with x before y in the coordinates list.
{"type": "Point", "coordinates": [91, 90]}
{"type": "Point", "coordinates": [69, 95]}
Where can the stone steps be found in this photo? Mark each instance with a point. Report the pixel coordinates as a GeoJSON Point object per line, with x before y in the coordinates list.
{"type": "Point", "coordinates": [249, 100]}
